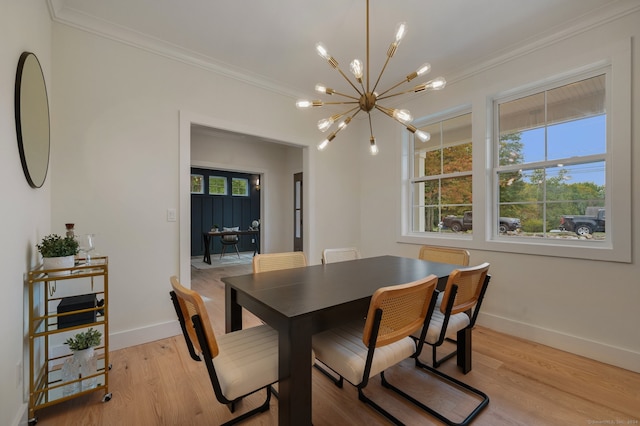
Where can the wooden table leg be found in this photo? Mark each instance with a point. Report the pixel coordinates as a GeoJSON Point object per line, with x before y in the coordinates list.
{"type": "Point", "coordinates": [232, 310]}
{"type": "Point", "coordinates": [207, 251]}
{"type": "Point", "coordinates": [294, 401]}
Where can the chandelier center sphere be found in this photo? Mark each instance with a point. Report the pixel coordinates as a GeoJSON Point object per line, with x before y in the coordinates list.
{"type": "Point", "coordinates": [367, 101]}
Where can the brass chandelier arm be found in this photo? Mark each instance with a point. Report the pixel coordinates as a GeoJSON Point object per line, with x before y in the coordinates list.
{"type": "Point", "coordinates": [345, 95]}
{"type": "Point", "coordinates": [390, 114]}
{"type": "Point", "coordinates": [384, 67]}
{"type": "Point", "coordinates": [348, 80]}
{"type": "Point", "coordinates": [398, 93]}
{"type": "Point", "coordinates": [405, 80]}
{"type": "Point", "coordinates": [340, 103]}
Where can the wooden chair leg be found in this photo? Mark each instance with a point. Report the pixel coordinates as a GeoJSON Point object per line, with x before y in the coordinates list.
{"type": "Point", "coordinates": [464, 349]}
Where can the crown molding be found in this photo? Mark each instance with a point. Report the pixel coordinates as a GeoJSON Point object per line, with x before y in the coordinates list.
{"type": "Point", "coordinates": [90, 24]}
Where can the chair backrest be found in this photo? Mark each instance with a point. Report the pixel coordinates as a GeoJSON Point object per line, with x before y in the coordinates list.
{"type": "Point", "coordinates": [230, 238]}
{"type": "Point", "coordinates": [470, 282]}
{"type": "Point", "coordinates": [339, 254]}
{"type": "Point", "coordinates": [404, 309]}
{"type": "Point", "coordinates": [273, 261]}
{"type": "Point", "coordinates": [451, 255]}
{"type": "Point", "coordinates": [191, 304]}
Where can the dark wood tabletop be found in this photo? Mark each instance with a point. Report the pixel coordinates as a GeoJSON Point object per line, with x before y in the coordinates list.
{"type": "Point", "coordinates": [302, 301]}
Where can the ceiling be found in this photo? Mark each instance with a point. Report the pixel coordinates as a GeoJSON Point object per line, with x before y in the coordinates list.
{"type": "Point", "coordinates": [272, 43]}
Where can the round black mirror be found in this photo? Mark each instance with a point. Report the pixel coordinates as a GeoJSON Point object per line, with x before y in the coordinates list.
{"type": "Point", "coordinates": [32, 119]}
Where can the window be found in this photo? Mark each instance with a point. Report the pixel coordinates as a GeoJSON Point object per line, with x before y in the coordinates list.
{"type": "Point", "coordinates": [239, 187]}
{"type": "Point", "coordinates": [217, 185]}
{"type": "Point", "coordinates": [551, 159]}
{"type": "Point", "coordinates": [197, 184]}
{"type": "Point", "coordinates": [441, 174]}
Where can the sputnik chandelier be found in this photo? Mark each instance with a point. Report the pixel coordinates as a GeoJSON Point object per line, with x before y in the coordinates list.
{"type": "Point", "coordinates": [368, 98]}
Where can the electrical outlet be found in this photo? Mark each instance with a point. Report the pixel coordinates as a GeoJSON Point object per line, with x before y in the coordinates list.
{"type": "Point", "coordinates": [253, 241]}
{"type": "Point", "coordinates": [171, 215]}
{"type": "Point", "coordinates": [19, 373]}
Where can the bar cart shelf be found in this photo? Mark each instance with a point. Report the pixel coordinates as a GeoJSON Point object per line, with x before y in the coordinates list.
{"type": "Point", "coordinates": [63, 302]}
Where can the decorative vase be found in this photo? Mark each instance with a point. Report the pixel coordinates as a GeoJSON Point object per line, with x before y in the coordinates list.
{"type": "Point", "coordinates": [85, 359]}
{"type": "Point", "coordinates": [57, 263]}
{"type": "Point", "coordinates": [69, 373]}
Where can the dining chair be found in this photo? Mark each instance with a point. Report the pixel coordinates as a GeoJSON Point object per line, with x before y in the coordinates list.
{"type": "Point", "coordinates": [455, 315]}
{"type": "Point", "coordinates": [357, 354]}
{"type": "Point", "coordinates": [239, 363]}
{"type": "Point", "coordinates": [332, 255]}
{"type": "Point", "coordinates": [451, 255]}
{"type": "Point", "coordinates": [265, 262]}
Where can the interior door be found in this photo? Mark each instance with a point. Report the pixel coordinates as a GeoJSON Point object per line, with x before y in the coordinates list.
{"type": "Point", "coordinates": [297, 212]}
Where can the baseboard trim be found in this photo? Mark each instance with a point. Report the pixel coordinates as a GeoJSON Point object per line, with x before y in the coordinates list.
{"type": "Point", "coordinates": [619, 357]}
{"type": "Point", "coordinates": [139, 336]}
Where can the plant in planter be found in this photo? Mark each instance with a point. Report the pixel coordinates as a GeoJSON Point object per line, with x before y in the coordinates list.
{"type": "Point", "coordinates": [58, 252]}
{"type": "Point", "coordinates": [83, 362]}
{"type": "Point", "coordinates": [84, 340]}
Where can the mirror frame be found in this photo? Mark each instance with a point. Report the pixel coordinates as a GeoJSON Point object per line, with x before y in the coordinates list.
{"type": "Point", "coordinates": [32, 119]}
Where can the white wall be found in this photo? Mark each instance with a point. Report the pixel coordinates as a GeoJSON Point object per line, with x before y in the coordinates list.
{"type": "Point", "coordinates": [582, 306]}
{"type": "Point", "coordinates": [25, 212]}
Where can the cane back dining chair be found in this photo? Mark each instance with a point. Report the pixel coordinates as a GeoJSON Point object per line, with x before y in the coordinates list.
{"type": "Point", "coordinates": [455, 315]}
{"type": "Point", "coordinates": [455, 256]}
{"type": "Point", "coordinates": [333, 255]}
{"type": "Point", "coordinates": [394, 313]}
{"type": "Point", "coordinates": [265, 262]}
{"type": "Point", "coordinates": [239, 363]}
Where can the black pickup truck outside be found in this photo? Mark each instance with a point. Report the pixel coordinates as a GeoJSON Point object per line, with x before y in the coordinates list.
{"type": "Point", "coordinates": [586, 224]}
{"type": "Point", "coordinates": [465, 223]}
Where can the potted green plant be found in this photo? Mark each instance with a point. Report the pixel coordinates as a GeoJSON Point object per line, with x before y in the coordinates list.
{"type": "Point", "coordinates": [84, 340]}
{"type": "Point", "coordinates": [83, 362]}
{"type": "Point", "coordinates": [58, 252]}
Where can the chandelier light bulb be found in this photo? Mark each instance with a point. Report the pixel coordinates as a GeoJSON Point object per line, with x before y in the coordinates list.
{"type": "Point", "coordinates": [373, 148]}
{"type": "Point", "coordinates": [437, 84]}
{"type": "Point", "coordinates": [423, 136]}
{"type": "Point", "coordinates": [321, 88]}
{"type": "Point", "coordinates": [424, 68]}
{"type": "Point", "coordinates": [402, 115]}
{"type": "Point", "coordinates": [401, 30]}
{"type": "Point", "coordinates": [322, 145]}
{"type": "Point", "coordinates": [324, 124]}
{"type": "Point", "coordinates": [322, 51]}
{"type": "Point", "coordinates": [303, 103]}
{"type": "Point", "coordinates": [357, 69]}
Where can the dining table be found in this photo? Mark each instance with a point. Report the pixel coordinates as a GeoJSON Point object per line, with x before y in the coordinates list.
{"type": "Point", "coordinates": [300, 302]}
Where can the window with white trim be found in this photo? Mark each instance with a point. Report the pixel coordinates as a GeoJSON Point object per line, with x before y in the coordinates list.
{"type": "Point", "coordinates": [441, 174]}
{"type": "Point", "coordinates": [217, 185]}
{"type": "Point", "coordinates": [551, 157]}
{"type": "Point", "coordinates": [239, 187]}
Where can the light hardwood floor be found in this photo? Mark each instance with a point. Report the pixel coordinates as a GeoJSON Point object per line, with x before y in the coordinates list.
{"type": "Point", "coordinates": [529, 384]}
